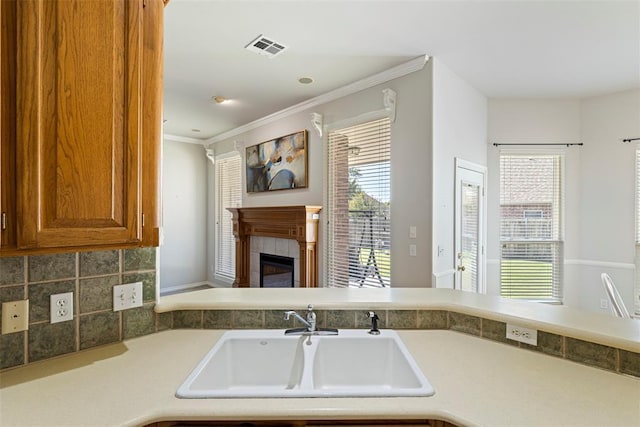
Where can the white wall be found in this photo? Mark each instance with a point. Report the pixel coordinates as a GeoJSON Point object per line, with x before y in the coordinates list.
{"type": "Point", "coordinates": [607, 195]}
{"type": "Point", "coordinates": [599, 186]}
{"type": "Point", "coordinates": [183, 252]}
{"type": "Point", "coordinates": [459, 130]}
{"type": "Point", "coordinates": [533, 122]}
{"type": "Point", "coordinates": [411, 171]}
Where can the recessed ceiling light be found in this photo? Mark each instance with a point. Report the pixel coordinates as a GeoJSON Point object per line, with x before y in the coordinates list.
{"type": "Point", "coordinates": [305, 80]}
{"type": "Point", "coordinates": [218, 99]}
{"type": "Point", "coordinates": [195, 130]}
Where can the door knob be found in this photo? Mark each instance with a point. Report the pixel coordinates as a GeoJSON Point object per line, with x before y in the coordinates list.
{"type": "Point", "coordinates": [461, 268]}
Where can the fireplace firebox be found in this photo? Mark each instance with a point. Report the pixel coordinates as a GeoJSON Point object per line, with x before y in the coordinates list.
{"type": "Point", "coordinates": [276, 271]}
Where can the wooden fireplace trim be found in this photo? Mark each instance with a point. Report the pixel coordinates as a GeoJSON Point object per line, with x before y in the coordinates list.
{"type": "Point", "coordinates": [298, 223]}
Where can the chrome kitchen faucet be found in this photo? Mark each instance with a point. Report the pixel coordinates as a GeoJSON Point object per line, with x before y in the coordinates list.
{"type": "Point", "coordinates": [310, 324]}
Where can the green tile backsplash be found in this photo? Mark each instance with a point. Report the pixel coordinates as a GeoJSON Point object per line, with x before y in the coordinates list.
{"type": "Point", "coordinates": [49, 340]}
{"type": "Point", "coordinates": [96, 293]}
{"type": "Point", "coordinates": [90, 276]}
{"type": "Point", "coordinates": [630, 363]}
{"type": "Point", "coordinates": [99, 329]}
{"type": "Point", "coordinates": [139, 259]}
{"type": "Point", "coordinates": [99, 263]}
{"type": "Point", "coordinates": [139, 321]}
{"type": "Point", "coordinates": [432, 319]}
{"type": "Point", "coordinates": [548, 343]}
{"type": "Point", "coordinates": [464, 323]}
{"type": "Point", "coordinates": [11, 270]}
{"type": "Point", "coordinates": [592, 354]}
{"type": "Point", "coordinates": [399, 319]}
{"type": "Point", "coordinates": [248, 319]}
{"type": "Point", "coordinates": [187, 319]}
{"type": "Point", "coordinates": [52, 267]}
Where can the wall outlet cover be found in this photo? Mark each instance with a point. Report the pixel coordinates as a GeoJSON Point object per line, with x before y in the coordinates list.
{"type": "Point", "coordinates": [522, 334]}
{"type": "Point", "coordinates": [61, 307]}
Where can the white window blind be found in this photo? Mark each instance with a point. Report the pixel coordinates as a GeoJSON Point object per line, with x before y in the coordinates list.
{"type": "Point", "coordinates": [358, 208]}
{"type": "Point", "coordinates": [637, 292]}
{"type": "Point", "coordinates": [531, 264]}
{"type": "Point", "coordinates": [228, 194]}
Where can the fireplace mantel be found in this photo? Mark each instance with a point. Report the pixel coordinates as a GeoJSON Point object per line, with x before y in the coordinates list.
{"type": "Point", "coordinates": [298, 223]}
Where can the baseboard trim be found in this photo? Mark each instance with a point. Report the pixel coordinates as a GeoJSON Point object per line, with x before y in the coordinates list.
{"type": "Point", "coordinates": [184, 287]}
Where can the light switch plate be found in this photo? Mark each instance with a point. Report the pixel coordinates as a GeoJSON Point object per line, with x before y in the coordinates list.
{"type": "Point", "coordinates": [15, 316]}
{"type": "Point", "coordinates": [413, 232]}
{"type": "Point", "coordinates": [412, 250]}
{"type": "Point", "coordinates": [127, 296]}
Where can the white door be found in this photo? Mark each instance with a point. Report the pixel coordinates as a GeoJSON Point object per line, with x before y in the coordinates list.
{"type": "Point", "coordinates": [470, 226]}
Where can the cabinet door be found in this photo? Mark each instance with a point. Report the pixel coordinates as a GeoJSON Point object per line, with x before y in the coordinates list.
{"type": "Point", "coordinates": [79, 122]}
{"type": "Point", "coordinates": [152, 60]}
{"type": "Point", "coordinates": [7, 124]}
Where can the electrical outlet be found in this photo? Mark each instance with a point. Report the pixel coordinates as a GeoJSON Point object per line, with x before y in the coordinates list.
{"type": "Point", "coordinates": [522, 334]}
{"type": "Point", "coordinates": [127, 296]}
{"type": "Point", "coordinates": [604, 304]}
{"type": "Point", "coordinates": [15, 316]}
{"type": "Point", "coordinates": [412, 250]}
{"type": "Point", "coordinates": [61, 307]}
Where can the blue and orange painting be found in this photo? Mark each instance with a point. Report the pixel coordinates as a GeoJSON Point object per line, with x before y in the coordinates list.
{"type": "Point", "coordinates": [278, 164]}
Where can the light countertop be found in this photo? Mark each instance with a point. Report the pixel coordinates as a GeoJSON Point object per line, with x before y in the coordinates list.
{"type": "Point", "coordinates": [477, 382]}
{"type": "Point", "coordinates": [594, 327]}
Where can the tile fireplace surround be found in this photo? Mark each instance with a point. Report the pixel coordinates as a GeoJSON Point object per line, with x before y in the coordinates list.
{"type": "Point", "coordinates": [273, 246]}
{"type": "Point", "coordinates": [295, 223]}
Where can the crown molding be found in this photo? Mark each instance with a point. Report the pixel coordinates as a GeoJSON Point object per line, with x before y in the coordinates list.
{"type": "Point", "coordinates": [401, 70]}
{"type": "Point", "coordinates": [178, 138]}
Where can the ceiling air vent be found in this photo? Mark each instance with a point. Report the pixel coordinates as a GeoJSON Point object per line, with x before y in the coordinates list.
{"type": "Point", "coordinates": [265, 46]}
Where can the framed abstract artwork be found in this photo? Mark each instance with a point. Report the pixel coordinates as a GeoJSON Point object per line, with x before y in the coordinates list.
{"type": "Point", "coordinates": [278, 164]}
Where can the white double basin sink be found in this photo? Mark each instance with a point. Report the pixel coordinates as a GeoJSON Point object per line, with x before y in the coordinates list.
{"type": "Point", "coordinates": [266, 363]}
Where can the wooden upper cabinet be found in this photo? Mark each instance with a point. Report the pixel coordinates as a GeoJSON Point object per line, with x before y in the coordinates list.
{"type": "Point", "coordinates": [84, 117]}
{"type": "Point", "coordinates": [7, 124]}
{"type": "Point", "coordinates": [152, 65]}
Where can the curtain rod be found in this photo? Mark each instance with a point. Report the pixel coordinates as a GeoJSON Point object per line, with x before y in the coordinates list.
{"type": "Point", "coordinates": [496, 144]}
{"type": "Point", "coordinates": [631, 139]}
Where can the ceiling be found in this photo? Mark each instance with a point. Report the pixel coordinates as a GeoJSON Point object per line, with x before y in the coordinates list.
{"type": "Point", "coordinates": [505, 49]}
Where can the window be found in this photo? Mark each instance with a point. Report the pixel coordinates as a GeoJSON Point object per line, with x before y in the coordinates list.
{"type": "Point", "coordinates": [531, 226]}
{"type": "Point", "coordinates": [637, 292]}
{"type": "Point", "coordinates": [533, 214]}
{"type": "Point", "coordinates": [358, 208]}
{"type": "Point", "coordinates": [228, 194]}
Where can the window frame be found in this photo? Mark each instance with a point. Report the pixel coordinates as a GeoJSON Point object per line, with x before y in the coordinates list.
{"type": "Point", "coordinates": [329, 182]}
{"type": "Point", "coordinates": [556, 242]}
{"type": "Point", "coordinates": [223, 273]}
{"type": "Point", "coordinates": [636, 293]}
